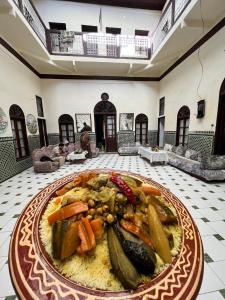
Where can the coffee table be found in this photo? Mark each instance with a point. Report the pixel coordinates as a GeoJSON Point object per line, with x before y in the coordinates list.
{"type": "Point", "coordinates": [76, 158]}
{"type": "Point", "coordinates": [153, 156]}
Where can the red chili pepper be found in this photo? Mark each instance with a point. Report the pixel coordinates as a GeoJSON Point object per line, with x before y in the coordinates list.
{"type": "Point", "coordinates": [124, 188]}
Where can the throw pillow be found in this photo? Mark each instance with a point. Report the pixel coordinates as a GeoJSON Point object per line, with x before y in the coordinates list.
{"type": "Point", "coordinates": [168, 147]}
{"type": "Point", "coordinates": [191, 154]}
{"type": "Point", "coordinates": [180, 150]}
{"type": "Point", "coordinates": [214, 162]}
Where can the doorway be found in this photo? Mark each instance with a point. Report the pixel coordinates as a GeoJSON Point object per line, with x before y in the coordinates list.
{"type": "Point", "coordinates": [105, 126]}
{"type": "Point", "coordinates": [219, 145]}
{"type": "Point", "coordinates": [42, 132]}
{"type": "Point", "coordinates": [141, 128]}
{"type": "Point", "coordinates": [161, 126]}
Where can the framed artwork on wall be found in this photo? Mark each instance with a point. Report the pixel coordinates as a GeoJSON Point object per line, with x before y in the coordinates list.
{"type": "Point", "coordinates": [31, 124]}
{"type": "Point", "coordinates": [83, 122]}
{"type": "Point", "coordinates": [3, 121]}
{"type": "Point", "coordinates": [126, 121]}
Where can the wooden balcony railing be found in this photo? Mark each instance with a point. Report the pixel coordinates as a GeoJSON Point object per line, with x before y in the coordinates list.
{"type": "Point", "coordinates": [101, 44]}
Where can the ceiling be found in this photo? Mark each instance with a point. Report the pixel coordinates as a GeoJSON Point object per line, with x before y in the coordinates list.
{"type": "Point", "coordinates": [186, 32]}
{"type": "Point", "coordinates": [144, 4]}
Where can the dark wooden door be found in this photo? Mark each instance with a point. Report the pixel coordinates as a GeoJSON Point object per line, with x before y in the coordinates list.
{"type": "Point", "coordinates": [42, 132]}
{"type": "Point", "coordinates": [219, 147]}
{"type": "Point", "coordinates": [110, 133]}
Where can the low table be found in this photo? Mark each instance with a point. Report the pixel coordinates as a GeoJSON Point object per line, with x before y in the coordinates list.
{"type": "Point", "coordinates": [76, 158]}
{"type": "Point", "coordinates": [154, 156]}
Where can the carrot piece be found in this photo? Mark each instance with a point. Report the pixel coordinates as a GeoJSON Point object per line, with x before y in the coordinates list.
{"type": "Point", "coordinates": [149, 190]}
{"type": "Point", "coordinates": [128, 226]}
{"type": "Point", "coordinates": [67, 211]}
{"type": "Point", "coordinates": [61, 192]}
{"type": "Point", "coordinates": [58, 200]}
{"type": "Point", "coordinates": [70, 240]}
{"type": "Point", "coordinates": [85, 242]}
{"type": "Point", "coordinates": [98, 228]}
{"type": "Point", "coordinates": [90, 232]}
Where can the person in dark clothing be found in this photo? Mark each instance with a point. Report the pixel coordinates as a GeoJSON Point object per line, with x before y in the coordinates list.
{"type": "Point", "coordinates": [86, 127]}
{"type": "Point", "coordinates": [85, 143]}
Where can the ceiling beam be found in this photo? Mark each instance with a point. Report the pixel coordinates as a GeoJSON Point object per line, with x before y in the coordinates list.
{"type": "Point", "coordinates": [142, 4]}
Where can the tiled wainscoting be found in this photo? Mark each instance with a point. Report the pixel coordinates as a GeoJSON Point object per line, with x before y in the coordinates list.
{"type": "Point", "coordinates": [153, 137]}
{"type": "Point", "coordinates": [197, 140]}
{"type": "Point", "coordinates": [201, 141]}
{"type": "Point", "coordinates": [9, 166]}
{"type": "Point", "coordinates": [125, 137]}
{"type": "Point", "coordinates": [53, 138]}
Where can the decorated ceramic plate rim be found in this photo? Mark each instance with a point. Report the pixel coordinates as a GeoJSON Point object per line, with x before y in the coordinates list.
{"type": "Point", "coordinates": [34, 276]}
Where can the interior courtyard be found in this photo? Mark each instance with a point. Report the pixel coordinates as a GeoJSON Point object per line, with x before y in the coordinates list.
{"type": "Point", "coordinates": [145, 80]}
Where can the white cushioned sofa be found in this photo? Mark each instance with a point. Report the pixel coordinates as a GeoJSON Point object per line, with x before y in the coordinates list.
{"type": "Point", "coordinates": [207, 168]}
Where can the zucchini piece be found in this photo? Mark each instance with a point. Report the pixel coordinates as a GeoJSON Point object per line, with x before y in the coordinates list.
{"type": "Point", "coordinates": [56, 239]}
{"type": "Point", "coordinates": [122, 267]}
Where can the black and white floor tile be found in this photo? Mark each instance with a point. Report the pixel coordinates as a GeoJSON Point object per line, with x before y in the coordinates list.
{"type": "Point", "coordinates": [206, 203]}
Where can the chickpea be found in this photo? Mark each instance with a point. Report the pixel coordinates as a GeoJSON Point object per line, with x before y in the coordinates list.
{"type": "Point", "coordinates": [91, 203]}
{"type": "Point", "coordinates": [105, 208]}
{"type": "Point", "coordinates": [110, 218]}
{"type": "Point", "coordinates": [89, 217]}
{"type": "Point", "coordinates": [91, 211]}
{"type": "Point", "coordinates": [99, 210]}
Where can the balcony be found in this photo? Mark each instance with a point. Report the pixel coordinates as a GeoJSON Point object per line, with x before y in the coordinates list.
{"type": "Point", "coordinates": [100, 44]}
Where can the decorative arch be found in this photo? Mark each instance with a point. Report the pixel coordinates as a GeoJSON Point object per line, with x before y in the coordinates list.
{"type": "Point", "coordinates": [183, 119]}
{"type": "Point", "coordinates": [105, 107]}
{"type": "Point", "coordinates": [141, 128]}
{"type": "Point", "coordinates": [66, 128]}
{"type": "Point", "coordinates": [219, 141]}
{"type": "Point", "coordinates": [19, 132]}
{"type": "Point", "coordinates": [105, 125]}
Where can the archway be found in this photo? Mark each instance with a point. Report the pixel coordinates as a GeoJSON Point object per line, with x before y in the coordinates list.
{"type": "Point", "coordinates": [183, 119]}
{"type": "Point", "coordinates": [105, 125]}
{"type": "Point", "coordinates": [219, 144]}
{"type": "Point", "coordinates": [141, 128]}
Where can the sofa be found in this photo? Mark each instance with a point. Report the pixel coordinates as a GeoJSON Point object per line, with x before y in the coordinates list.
{"type": "Point", "coordinates": [46, 166]}
{"type": "Point", "coordinates": [129, 149]}
{"type": "Point", "coordinates": [208, 168]}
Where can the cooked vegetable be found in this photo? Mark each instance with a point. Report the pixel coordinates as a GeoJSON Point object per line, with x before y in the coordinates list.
{"type": "Point", "coordinates": [166, 216]}
{"type": "Point", "coordinates": [130, 227]}
{"type": "Point", "coordinates": [122, 267]}
{"type": "Point", "coordinates": [70, 239]}
{"type": "Point", "coordinates": [61, 192]}
{"type": "Point", "coordinates": [86, 236]}
{"type": "Point", "coordinates": [124, 188]}
{"type": "Point", "coordinates": [130, 181]}
{"type": "Point", "coordinates": [97, 226]}
{"type": "Point", "coordinates": [56, 239]}
{"type": "Point", "coordinates": [67, 211]}
{"type": "Point", "coordinates": [158, 235]}
{"type": "Point", "coordinates": [149, 190]}
{"type": "Point", "coordinates": [141, 256]}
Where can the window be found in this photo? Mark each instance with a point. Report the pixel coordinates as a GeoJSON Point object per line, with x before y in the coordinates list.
{"type": "Point", "coordinates": [183, 118]}
{"type": "Point", "coordinates": [141, 32]}
{"type": "Point", "coordinates": [89, 28]}
{"type": "Point", "coordinates": [57, 26]}
{"type": "Point", "coordinates": [161, 106]}
{"type": "Point", "coordinates": [39, 107]}
{"type": "Point", "coordinates": [141, 128]}
{"type": "Point", "coordinates": [113, 30]}
{"type": "Point", "coordinates": [66, 128]}
{"type": "Point", "coordinates": [19, 132]}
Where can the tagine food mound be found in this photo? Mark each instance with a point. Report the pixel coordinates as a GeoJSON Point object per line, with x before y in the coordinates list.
{"type": "Point", "coordinates": [110, 231]}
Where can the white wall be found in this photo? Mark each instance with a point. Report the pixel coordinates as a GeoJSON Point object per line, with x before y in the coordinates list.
{"type": "Point", "coordinates": [75, 14]}
{"type": "Point", "coordinates": [18, 85]}
{"type": "Point", "coordinates": [180, 86]}
{"type": "Point", "coordinates": [81, 96]}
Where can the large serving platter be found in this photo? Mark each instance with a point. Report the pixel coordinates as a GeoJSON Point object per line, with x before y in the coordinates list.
{"type": "Point", "coordinates": [34, 276]}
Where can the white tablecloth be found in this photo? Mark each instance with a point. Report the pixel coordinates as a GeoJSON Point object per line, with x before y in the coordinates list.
{"type": "Point", "coordinates": [153, 156]}
{"type": "Point", "coordinates": [75, 156]}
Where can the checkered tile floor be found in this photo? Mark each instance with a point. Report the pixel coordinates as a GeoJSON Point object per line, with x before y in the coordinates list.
{"type": "Point", "coordinates": [206, 203]}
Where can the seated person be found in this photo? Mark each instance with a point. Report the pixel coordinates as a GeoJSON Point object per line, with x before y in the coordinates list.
{"type": "Point", "coordinates": [66, 147]}
{"type": "Point", "coordinates": [58, 150]}
{"type": "Point", "coordinates": [86, 127]}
